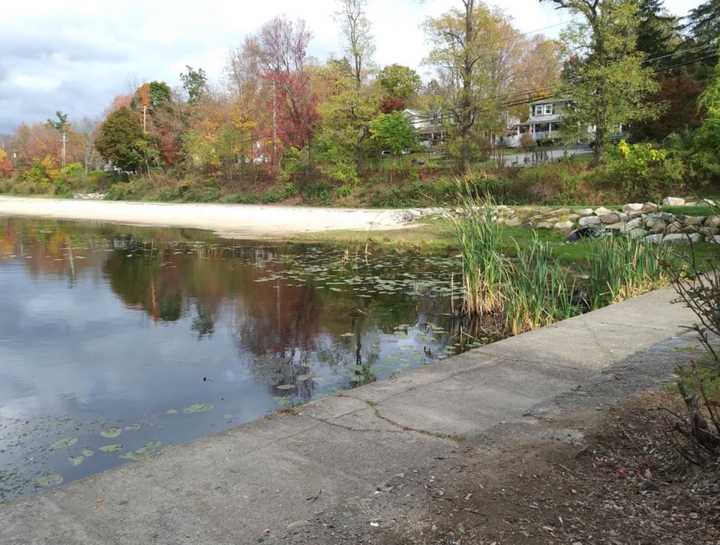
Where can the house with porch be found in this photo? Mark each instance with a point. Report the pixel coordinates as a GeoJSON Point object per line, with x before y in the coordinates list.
{"type": "Point", "coordinates": [544, 124]}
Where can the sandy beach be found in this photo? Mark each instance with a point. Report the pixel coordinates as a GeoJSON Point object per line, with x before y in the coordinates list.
{"type": "Point", "coordinates": [224, 219]}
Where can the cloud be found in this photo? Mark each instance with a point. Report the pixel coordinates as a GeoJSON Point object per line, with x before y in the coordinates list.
{"type": "Point", "coordinates": [76, 55]}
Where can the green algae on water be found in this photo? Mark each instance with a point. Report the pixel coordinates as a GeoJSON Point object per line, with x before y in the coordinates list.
{"type": "Point", "coordinates": [198, 408]}
{"type": "Point", "coordinates": [76, 460]}
{"type": "Point", "coordinates": [47, 480]}
{"type": "Point", "coordinates": [111, 433]}
{"type": "Point", "coordinates": [63, 443]}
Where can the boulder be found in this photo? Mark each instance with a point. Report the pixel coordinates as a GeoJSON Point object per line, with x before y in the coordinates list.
{"type": "Point", "coordinates": [673, 201]}
{"type": "Point", "coordinates": [683, 239]}
{"type": "Point", "coordinates": [633, 207]}
{"type": "Point", "coordinates": [586, 212]}
{"type": "Point", "coordinates": [692, 220]}
{"type": "Point", "coordinates": [655, 225]}
{"type": "Point", "coordinates": [513, 222]}
{"type": "Point", "coordinates": [714, 240]}
{"type": "Point", "coordinates": [544, 225]}
{"type": "Point", "coordinates": [634, 224]}
{"type": "Point", "coordinates": [712, 221]}
{"type": "Point", "coordinates": [709, 231]}
{"type": "Point", "coordinates": [617, 227]}
{"type": "Point", "coordinates": [673, 228]}
{"type": "Point", "coordinates": [563, 225]}
{"type": "Point", "coordinates": [585, 232]}
{"type": "Point", "coordinates": [560, 212]}
{"type": "Point", "coordinates": [609, 219]}
{"type": "Point", "coordinates": [637, 233]}
{"type": "Point", "coordinates": [649, 207]}
{"type": "Point", "coordinates": [654, 239]}
{"type": "Point", "coordinates": [602, 211]}
{"type": "Point", "coordinates": [589, 221]}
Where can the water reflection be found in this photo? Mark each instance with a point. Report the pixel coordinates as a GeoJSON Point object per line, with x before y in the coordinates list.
{"type": "Point", "coordinates": [114, 340]}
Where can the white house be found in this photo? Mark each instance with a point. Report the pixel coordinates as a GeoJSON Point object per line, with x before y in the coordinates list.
{"type": "Point", "coordinates": [428, 127]}
{"type": "Point", "coordinates": [544, 123]}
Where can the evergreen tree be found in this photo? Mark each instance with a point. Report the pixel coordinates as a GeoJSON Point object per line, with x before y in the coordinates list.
{"type": "Point", "coordinates": [122, 142]}
{"type": "Point", "coordinates": [704, 25]}
{"type": "Point", "coordinates": [657, 35]}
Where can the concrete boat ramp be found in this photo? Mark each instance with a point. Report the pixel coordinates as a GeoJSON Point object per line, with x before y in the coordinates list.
{"type": "Point", "coordinates": [264, 481]}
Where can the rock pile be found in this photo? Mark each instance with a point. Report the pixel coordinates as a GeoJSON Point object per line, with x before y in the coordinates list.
{"type": "Point", "coordinates": [637, 220]}
{"type": "Point", "coordinates": [89, 196]}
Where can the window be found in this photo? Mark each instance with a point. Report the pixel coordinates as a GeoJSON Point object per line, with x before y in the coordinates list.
{"type": "Point", "coordinates": [549, 109]}
{"type": "Point", "coordinates": [539, 109]}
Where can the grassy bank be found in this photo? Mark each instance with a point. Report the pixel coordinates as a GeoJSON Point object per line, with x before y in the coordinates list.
{"type": "Point", "coordinates": [420, 182]}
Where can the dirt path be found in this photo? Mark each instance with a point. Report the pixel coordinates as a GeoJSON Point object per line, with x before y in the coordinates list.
{"type": "Point", "coordinates": [227, 220]}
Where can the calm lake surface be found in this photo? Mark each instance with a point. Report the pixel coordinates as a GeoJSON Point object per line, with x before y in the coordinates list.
{"type": "Point", "coordinates": [117, 341]}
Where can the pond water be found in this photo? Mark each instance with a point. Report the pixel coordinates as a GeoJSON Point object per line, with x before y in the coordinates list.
{"type": "Point", "coordinates": [117, 341]}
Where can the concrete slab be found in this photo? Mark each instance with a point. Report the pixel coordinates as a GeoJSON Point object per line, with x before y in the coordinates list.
{"type": "Point", "coordinates": [275, 474]}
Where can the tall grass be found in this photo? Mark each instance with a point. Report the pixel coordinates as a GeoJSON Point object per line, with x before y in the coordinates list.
{"type": "Point", "coordinates": [534, 290]}
{"type": "Point", "coordinates": [621, 268]}
{"type": "Point", "coordinates": [484, 266]}
{"type": "Point", "coordinates": [539, 291]}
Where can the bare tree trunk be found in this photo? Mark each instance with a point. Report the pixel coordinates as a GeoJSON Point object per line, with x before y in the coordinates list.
{"type": "Point", "coordinates": [467, 116]}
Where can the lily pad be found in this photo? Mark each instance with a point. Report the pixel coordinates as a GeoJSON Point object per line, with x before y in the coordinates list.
{"type": "Point", "coordinates": [87, 452]}
{"type": "Point", "coordinates": [76, 460]}
{"type": "Point", "coordinates": [151, 448]}
{"type": "Point", "coordinates": [111, 449]}
{"type": "Point", "coordinates": [46, 480]}
{"type": "Point", "coordinates": [64, 443]}
{"type": "Point", "coordinates": [285, 387]}
{"type": "Point", "coordinates": [171, 412]}
{"type": "Point", "coordinates": [198, 408]}
{"type": "Point", "coordinates": [133, 427]}
{"type": "Point", "coordinates": [111, 433]}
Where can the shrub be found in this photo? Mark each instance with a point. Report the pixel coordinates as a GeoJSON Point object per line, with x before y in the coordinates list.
{"type": "Point", "coordinates": [699, 385]}
{"type": "Point", "coordinates": [643, 172]}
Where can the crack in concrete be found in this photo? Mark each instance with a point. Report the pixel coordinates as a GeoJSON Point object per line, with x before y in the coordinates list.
{"type": "Point", "coordinates": [350, 428]}
{"type": "Point", "coordinates": [401, 427]}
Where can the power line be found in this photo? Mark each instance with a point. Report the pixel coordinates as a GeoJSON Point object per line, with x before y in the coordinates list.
{"type": "Point", "coordinates": [510, 101]}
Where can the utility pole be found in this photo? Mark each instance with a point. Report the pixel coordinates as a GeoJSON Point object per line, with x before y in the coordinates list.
{"type": "Point", "coordinates": [64, 147]}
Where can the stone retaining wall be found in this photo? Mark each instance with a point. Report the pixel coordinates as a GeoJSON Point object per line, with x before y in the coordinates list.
{"type": "Point", "coordinates": [637, 220]}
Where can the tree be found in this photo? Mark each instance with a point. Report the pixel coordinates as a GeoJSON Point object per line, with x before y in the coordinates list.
{"type": "Point", "coordinates": [195, 83]}
{"type": "Point", "coordinates": [356, 30]}
{"type": "Point", "coordinates": [281, 50]}
{"type": "Point", "coordinates": [399, 85]}
{"type": "Point", "coordinates": [121, 141]}
{"type": "Point", "coordinates": [657, 34]}
{"type": "Point", "coordinates": [475, 52]}
{"type": "Point", "coordinates": [707, 139]}
{"type": "Point", "coordinates": [704, 24]}
{"type": "Point", "coordinates": [342, 142]}
{"type": "Point", "coordinates": [609, 84]}
{"type": "Point", "coordinates": [392, 132]}
{"type": "Point", "coordinates": [60, 124]}
{"type": "Point", "coordinates": [6, 166]}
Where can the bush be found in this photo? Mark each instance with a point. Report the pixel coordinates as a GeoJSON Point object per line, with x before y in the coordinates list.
{"type": "Point", "coordinates": [642, 172]}
{"type": "Point", "coordinates": [699, 430]}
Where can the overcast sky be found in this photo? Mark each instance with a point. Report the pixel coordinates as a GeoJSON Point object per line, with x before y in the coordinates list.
{"type": "Point", "coordinates": [76, 55]}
